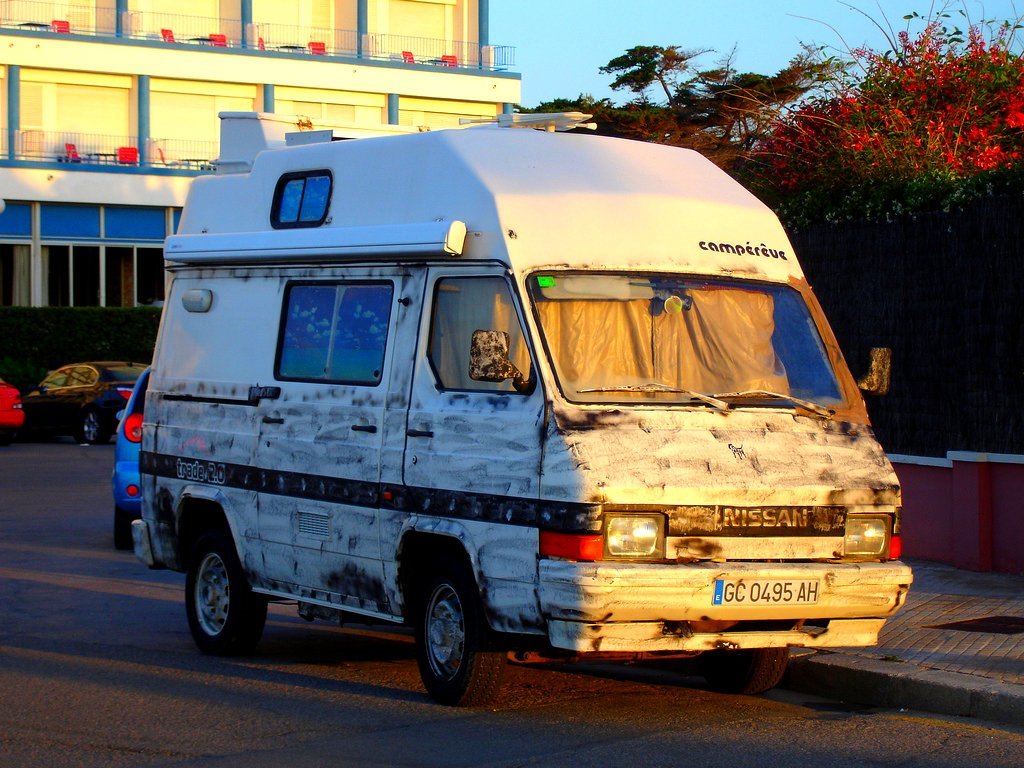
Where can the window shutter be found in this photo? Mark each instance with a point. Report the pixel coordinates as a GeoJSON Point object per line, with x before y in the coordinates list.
{"type": "Point", "coordinates": [32, 106]}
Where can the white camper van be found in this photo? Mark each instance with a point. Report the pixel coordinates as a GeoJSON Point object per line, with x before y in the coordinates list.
{"type": "Point", "coordinates": [522, 390]}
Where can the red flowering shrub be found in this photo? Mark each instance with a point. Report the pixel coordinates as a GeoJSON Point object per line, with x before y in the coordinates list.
{"type": "Point", "coordinates": [932, 122]}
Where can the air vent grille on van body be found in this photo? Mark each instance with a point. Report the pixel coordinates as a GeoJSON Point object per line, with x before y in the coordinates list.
{"type": "Point", "coordinates": [314, 524]}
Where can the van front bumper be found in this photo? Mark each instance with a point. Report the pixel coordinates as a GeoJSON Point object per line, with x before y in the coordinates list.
{"type": "Point", "coordinates": [641, 607]}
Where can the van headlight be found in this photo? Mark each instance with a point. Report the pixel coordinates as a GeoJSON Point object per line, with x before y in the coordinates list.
{"type": "Point", "coordinates": [634, 536]}
{"type": "Point", "coordinates": [867, 537]}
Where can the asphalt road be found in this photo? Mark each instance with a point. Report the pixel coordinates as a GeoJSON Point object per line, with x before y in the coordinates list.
{"type": "Point", "coordinates": [97, 668]}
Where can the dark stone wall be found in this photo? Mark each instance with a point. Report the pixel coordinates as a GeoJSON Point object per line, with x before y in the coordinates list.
{"type": "Point", "coordinates": [946, 292]}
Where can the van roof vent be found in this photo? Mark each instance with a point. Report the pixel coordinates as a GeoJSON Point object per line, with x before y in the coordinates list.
{"type": "Point", "coordinates": [541, 121]}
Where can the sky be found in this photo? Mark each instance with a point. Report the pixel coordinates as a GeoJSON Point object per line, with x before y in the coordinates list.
{"type": "Point", "coordinates": [560, 44]}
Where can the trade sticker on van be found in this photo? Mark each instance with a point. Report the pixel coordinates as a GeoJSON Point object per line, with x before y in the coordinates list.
{"type": "Point", "coordinates": [787, 592]}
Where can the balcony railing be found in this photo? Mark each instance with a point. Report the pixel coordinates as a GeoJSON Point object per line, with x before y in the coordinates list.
{"type": "Point", "coordinates": [79, 18]}
{"type": "Point", "coordinates": [427, 50]}
{"type": "Point", "coordinates": [186, 30]}
{"type": "Point", "coordinates": [102, 149]}
{"type": "Point", "coordinates": [86, 19]}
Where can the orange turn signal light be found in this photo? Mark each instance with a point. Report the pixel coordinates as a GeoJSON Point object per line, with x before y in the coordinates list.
{"type": "Point", "coordinates": [571, 546]}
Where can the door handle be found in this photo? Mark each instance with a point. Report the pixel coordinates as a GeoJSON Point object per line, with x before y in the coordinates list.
{"type": "Point", "coordinates": [364, 428]}
{"type": "Point", "coordinates": [419, 433]}
{"type": "Point", "coordinates": [273, 420]}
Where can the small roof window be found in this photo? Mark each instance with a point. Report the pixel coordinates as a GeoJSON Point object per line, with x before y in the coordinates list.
{"type": "Point", "coordinates": [301, 199]}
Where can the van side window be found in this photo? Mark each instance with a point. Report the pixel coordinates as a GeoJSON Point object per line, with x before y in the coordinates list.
{"type": "Point", "coordinates": [301, 199]}
{"type": "Point", "coordinates": [335, 332]}
{"type": "Point", "coordinates": [463, 305]}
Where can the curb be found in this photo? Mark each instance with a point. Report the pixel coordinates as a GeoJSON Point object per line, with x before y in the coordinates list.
{"type": "Point", "coordinates": [906, 686]}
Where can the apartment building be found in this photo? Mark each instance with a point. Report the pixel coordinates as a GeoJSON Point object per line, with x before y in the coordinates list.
{"type": "Point", "coordinates": [109, 108]}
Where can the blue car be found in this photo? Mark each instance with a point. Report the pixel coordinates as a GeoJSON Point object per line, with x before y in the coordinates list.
{"type": "Point", "coordinates": [127, 491]}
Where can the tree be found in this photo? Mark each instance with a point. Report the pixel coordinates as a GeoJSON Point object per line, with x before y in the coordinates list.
{"type": "Point", "coordinates": [932, 122]}
{"type": "Point", "coordinates": [639, 68]}
{"type": "Point", "coordinates": [720, 112]}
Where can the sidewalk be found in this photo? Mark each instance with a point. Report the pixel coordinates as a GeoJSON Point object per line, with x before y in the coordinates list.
{"type": "Point", "coordinates": [973, 669]}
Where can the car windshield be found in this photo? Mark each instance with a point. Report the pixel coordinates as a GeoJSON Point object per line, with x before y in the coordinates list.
{"type": "Point", "coordinates": [657, 338]}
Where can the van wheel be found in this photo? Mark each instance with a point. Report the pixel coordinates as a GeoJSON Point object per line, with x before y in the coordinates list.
{"type": "Point", "coordinates": [122, 528]}
{"type": "Point", "coordinates": [455, 663]}
{"type": "Point", "coordinates": [749, 671]}
{"type": "Point", "coordinates": [91, 428]}
{"type": "Point", "coordinates": [225, 616]}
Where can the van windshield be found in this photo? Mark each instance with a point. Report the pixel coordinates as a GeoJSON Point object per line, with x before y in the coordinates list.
{"type": "Point", "coordinates": [657, 338]}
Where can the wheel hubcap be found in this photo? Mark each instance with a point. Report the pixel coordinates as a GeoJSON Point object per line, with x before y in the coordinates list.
{"type": "Point", "coordinates": [91, 426]}
{"type": "Point", "coordinates": [213, 594]}
{"type": "Point", "coordinates": [446, 632]}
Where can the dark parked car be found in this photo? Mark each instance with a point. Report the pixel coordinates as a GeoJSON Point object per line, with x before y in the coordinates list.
{"type": "Point", "coordinates": [125, 480]}
{"type": "Point", "coordinates": [81, 399]}
{"type": "Point", "coordinates": [12, 416]}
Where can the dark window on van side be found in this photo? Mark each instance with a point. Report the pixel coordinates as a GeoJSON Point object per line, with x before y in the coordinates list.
{"type": "Point", "coordinates": [463, 305]}
{"type": "Point", "coordinates": [334, 332]}
{"type": "Point", "coordinates": [301, 199]}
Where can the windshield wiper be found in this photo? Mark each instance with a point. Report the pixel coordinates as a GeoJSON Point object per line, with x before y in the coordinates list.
{"type": "Point", "coordinates": [708, 399]}
{"type": "Point", "coordinates": [821, 410]}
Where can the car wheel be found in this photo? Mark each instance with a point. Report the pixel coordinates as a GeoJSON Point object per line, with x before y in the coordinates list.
{"type": "Point", "coordinates": [224, 615]}
{"type": "Point", "coordinates": [122, 529]}
{"type": "Point", "coordinates": [6, 438]}
{"type": "Point", "coordinates": [747, 671]}
{"type": "Point", "coordinates": [456, 664]}
{"type": "Point", "coordinates": [91, 428]}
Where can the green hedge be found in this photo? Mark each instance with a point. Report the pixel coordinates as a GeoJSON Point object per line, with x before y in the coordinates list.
{"type": "Point", "coordinates": [34, 340]}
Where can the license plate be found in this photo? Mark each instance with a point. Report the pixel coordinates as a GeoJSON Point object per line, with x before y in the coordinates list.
{"type": "Point", "coordinates": [766, 592]}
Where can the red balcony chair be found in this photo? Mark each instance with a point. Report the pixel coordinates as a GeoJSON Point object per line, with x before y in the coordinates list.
{"type": "Point", "coordinates": [167, 35]}
{"type": "Point", "coordinates": [449, 61]}
{"type": "Point", "coordinates": [261, 45]}
{"type": "Point", "coordinates": [58, 25]}
{"type": "Point", "coordinates": [70, 154]}
{"type": "Point", "coordinates": [219, 41]}
{"type": "Point", "coordinates": [128, 155]}
{"type": "Point", "coordinates": [408, 58]}
{"type": "Point", "coordinates": [317, 48]}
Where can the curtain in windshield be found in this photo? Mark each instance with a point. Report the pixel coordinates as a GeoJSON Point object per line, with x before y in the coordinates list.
{"type": "Point", "coordinates": [718, 341]}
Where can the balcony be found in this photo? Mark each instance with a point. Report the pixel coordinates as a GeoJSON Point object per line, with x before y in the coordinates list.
{"type": "Point", "coordinates": [106, 152]}
{"type": "Point", "coordinates": [222, 34]}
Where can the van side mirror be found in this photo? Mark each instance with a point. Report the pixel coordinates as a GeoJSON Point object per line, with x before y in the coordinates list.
{"type": "Point", "coordinates": [488, 360]}
{"type": "Point", "coordinates": [879, 376]}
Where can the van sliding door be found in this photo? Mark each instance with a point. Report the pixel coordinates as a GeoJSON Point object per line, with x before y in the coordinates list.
{"type": "Point", "coordinates": [320, 442]}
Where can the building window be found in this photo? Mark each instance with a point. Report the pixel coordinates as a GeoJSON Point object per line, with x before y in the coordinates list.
{"type": "Point", "coordinates": [72, 275]}
{"type": "Point", "coordinates": [15, 275]}
{"type": "Point", "coordinates": [134, 276]}
{"type": "Point", "coordinates": [150, 276]}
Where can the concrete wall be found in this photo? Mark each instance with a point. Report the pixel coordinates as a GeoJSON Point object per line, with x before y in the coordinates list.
{"type": "Point", "coordinates": [966, 510]}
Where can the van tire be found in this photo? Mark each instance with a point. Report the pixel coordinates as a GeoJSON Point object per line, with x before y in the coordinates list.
{"type": "Point", "coordinates": [224, 615]}
{"type": "Point", "coordinates": [745, 672]}
{"type": "Point", "coordinates": [123, 528]}
{"type": "Point", "coordinates": [456, 664]}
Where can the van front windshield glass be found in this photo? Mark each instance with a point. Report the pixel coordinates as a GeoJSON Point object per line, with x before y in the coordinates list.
{"type": "Point", "coordinates": [657, 338]}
